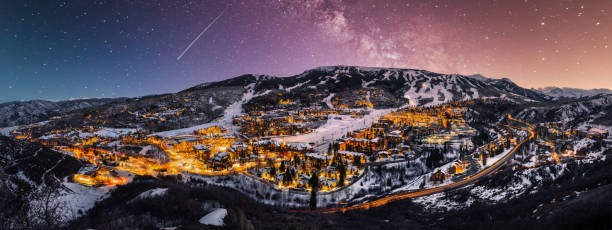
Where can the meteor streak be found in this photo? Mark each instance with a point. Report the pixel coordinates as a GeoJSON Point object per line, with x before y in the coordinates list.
{"type": "Point", "coordinates": [200, 35]}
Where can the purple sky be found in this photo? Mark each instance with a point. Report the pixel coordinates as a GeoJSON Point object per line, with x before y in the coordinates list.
{"type": "Point", "coordinates": [59, 50]}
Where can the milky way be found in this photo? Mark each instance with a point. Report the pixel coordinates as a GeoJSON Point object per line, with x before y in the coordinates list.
{"type": "Point", "coordinates": [64, 49]}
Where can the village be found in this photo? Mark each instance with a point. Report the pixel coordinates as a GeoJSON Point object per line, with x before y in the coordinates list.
{"type": "Point", "coordinates": [439, 133]}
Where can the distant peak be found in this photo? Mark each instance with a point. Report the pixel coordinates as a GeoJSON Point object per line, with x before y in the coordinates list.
{"type": "Point", "coordinates": [479, 77]}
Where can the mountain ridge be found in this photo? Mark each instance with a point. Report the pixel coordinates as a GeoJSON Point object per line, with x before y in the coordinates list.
{"type": "Point", "coordinates": [351, 86]}
{"type": "Point", "coordinates": [568, 92]}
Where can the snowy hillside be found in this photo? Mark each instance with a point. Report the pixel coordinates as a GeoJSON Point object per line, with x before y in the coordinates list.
{"type": "Point", "coordinates": [333, 86]}
{"type": "Point", "coordinates": [18, 113]}
{"type": "Point", "coordinates": [399, 85]}
{"type": "Point", "coordinates": [594, 110]}
{"type": "Point", "coordinates": [557, 92]}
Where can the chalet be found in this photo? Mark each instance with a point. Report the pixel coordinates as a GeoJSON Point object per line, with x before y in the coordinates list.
{"type": "Point", "coordinates": [202, 151]}
{"type": "Point", "coordinates": [383, 154]}
{"type": "Point", "coordinates": [351, 155]}
{"type": "Point", "coordinates": [317, 158]}
{"type": "Point", "coordinates": [298, 146]}
{"type": "Point", "coordinates": [239, 147]}
{"type": "Point", "coordinates": [202, 148]}
{"type": "Point", "coordinates": [438, 176]}
{"type": "Point", "coordinates": [220, 160]}
{"type": "Point", "coordinates": [404, 147]}
{"type": "Point", "coordinates": [456, 167]}
{"type": "Point", "coordinates": [302, 181]}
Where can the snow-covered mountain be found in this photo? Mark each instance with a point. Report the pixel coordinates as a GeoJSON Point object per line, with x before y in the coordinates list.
{"type": "Point", "coordinates": [594, 110]}
{"type": "Point", "coordinates": [26, 112]}
{"type": "Point", "coordinates": [418, 87]}
{"type": "Point", "coordinates": [557, 92]}
{"type": "Point", "coordinates": [33, 177]}
{"type": "Point", "coordinates": [30, 181]}
{"type": "Point", "coordinates": [329, 86]}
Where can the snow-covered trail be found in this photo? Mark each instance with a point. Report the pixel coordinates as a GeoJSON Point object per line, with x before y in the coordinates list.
{"type": "Point", "coordinates": [334, 129]}
{"type": "Point", "coordinates": [225, 121]}
{"type": "Point", "coordinates": [235, 109]}
{"type": "Point", "coordinates": [328, 102]}
{"type": "Point", "coordinates": [44, 175]}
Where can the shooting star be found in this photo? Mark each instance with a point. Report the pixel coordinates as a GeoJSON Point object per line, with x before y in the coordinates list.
{"type": "Point", "coordinates": [200, 35]}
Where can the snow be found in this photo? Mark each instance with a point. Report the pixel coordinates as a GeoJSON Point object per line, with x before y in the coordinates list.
{"type": "Point", "coordinates": [113, 132]}
{"type": "Point", "coordinates": [496, 158]}
{"type": "Point", "coordinates": [317, 156]}
{"type": "Point", "coordinates": [297, 85]}
{"type": "Point", "coordinates": [342, 152]}
{"type": "Point", "coordinates": [184, 131]}
{"type": "Point", "coordinates": [448, 96]}
{"type": "Point", "coordinates": [145, 149]}
{"type": "Point", "coordinates": [475, 93]}
{"type": "Point", "coordinates": [556, 92]}
{"type": "Point", "coordinates": [262, 94]}
{"type": "Point", "coordinates": [8, 130]}
{"type": "Point", "coordinates": [235, 109]}
{"type": "Point", "coordinates": [437, 201]}
{"type": "Point", "coordinates": [428, 91]}
{"type": "Point", "coordinates": [327, 100]}
{"type": "Point", "coordinates": [215, 217]}
{"type": "Point", "coordinates": [151, 193]}
{"type": "Point", "coordinates": [583, 143]}
{"type": "Point", "coordinates": [479, 78]}
{"type": "Point", "coordinates": [335, 128]}
{"type": "Point", "coordinates": [365, 84]}
{"type": "Point", "coordinates": [77, 197]}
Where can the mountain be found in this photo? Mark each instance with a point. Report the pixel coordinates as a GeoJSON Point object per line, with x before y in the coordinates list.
{"type": "Point", "coordinates": [557, 92]}
{"type": "Point", "coordinates": [397, 86]}
{"type": "Point", "coordinates": [331, 86]}
{"type": "Point", "coordinates": [542, 178]}
{"type": "Point", "coordinates": [30, 181]}
{"type": "Point", "coordinates": [27, 112]}
{"type": "Point", "coordinates": [595, 110]}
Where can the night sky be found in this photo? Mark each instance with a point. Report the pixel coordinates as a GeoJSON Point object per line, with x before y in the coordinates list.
{"type": "Point", "coordinates": [85, 49]}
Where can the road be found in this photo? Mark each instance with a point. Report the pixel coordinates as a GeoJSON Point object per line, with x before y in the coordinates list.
{"type": "Point", "coordinates": [412, 194]}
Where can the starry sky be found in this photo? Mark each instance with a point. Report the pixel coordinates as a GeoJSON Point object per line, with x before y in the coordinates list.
{"type": "Point", "coordinates": [86, 49]}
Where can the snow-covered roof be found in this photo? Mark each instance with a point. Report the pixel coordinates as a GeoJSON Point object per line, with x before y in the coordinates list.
{"type": "Point", "coordinates": [299, 146]}
{"type": "Point", "coordinates": [317, 156]}
{"type": "Point", "coordinates": [350, 153]}
{"type": "Point", "coordinates": [202, 147]}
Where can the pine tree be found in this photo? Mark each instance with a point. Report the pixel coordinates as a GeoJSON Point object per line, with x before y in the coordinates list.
{"type": "Point", "coordinates": [484, 159]}
{"type": "Point", "coordinates": [314, 183]}
{"type": "Point", "coordinates": [273, 171]}
{"type": "Point", "coordinates": [342, 170]}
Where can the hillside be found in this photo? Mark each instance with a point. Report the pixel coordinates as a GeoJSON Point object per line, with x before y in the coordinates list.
{"type": "Point", "coordinates": [333, 86]}
{"type": "Point", "coordinates": [557, 92]}
{"type": "Point", "coordinates": [27, 112]}
{"type": "Point", "coordinates": [334, 144]}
